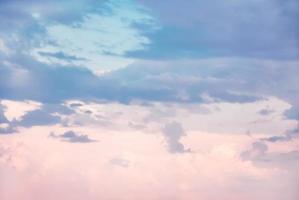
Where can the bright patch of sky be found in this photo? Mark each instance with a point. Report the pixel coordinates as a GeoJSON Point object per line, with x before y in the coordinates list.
{"type": "Point", "coordinates": [101, 40]}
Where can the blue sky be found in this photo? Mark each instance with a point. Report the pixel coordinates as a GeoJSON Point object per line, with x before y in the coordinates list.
{"type": "Point", "coordinates": [136, 79]}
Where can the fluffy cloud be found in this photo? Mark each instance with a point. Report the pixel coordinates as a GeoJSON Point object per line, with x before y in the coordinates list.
{"type": "Point", "coordinates": [260, 155]}
{"type": "Point", "coordinates": [173, 132]}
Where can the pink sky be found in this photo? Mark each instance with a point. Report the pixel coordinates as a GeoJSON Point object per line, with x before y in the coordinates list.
{"type": "Point", "coordinates": [135, 163]}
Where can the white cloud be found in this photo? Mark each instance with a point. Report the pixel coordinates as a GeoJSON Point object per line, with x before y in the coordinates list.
{"type": "Point", "coordinates": [17, 109]}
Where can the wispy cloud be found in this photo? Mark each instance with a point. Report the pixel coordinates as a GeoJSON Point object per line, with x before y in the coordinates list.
{"type": "Point", "coordinates": [72, 137]}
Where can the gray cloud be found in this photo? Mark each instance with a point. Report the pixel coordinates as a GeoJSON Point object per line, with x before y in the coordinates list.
{"type": "Point", "coordinates": [46, 115]}
{"type": "Point", "coordinates": [277, 138]}
{"type": "Point", "coordinates": [257, 150]}
{"type": "Point", "coordinates": [60, 55]}
{"type": "Point", "coordinates": [198, 28]}
{"type": "Point", "coordinates": [72, 137]}
{"type": "Point", "coordinates": [38, 118]}
{"type": "Point", "coordinates": [74, 105]}
{"type": "Point", "coordinates": [287, 136]}
{"type": "Point", "coordinates": [173, 132]}
{"type": "Point", "coordinates": [266, 112]}
{"type": "Point", "coordinates": [2, 116]}
{"type": "Point", "coordinates": [8, 128]}
{"type": "Point", "coordinates": [230, 80]}
{"type": "Point", "coordinates": [260, 156]}
{"type": "Point", "coordinates": [117, 161]}
{"type": "Point", "coordinates": [225, 80]}
{"type": "Point", "coordinates": [137, 126]}
{"type": "Point", "coordinates": [201, 28]}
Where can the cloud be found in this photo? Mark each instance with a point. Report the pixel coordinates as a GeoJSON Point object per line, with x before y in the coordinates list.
{"type": "Point", "coordinates": [276, 138]}
{"type": "Point", "coordinates": [221, 80]}
{"type": "Point", "coordinates": [234, 79]}
{"type": "Point", "coordinates": [49, 31]}
{"type": "Point", "coordinates": [137, 126]}
{"type": "Point", "coordinates": [74, 105]}
{"type": "Point", "coordinates": [260, 155]}
{"type": "Point", "coordinates": [72, 137]}
{"type": "Point", "coordinates": [3, 47]}
{"type": "Point", "coordinates": [197, 28]}
{"type": "Point", "coordinates": [6, 128]}
{"type": "Point", "coordinates": [266, 111]}
{"type": "Point", "coordinates": [3, 119]}
{"type": "Point", "coordinates": [288, 136]}
{"type": "Point", "coordinates": [28, 114]}
{"type": "Point", "coordinates": [38, 117]}
{"type": "Point", "coordinates": [212, 69]}
{"type": "Point", "coordinates": [47, 114]}
{"type": "Point", "coordinates": [257, 150]}
{"type": "Point", "coordinates": [173, 132]}
{"type": "Point", "coordinates": [117, 161]}
{"type": "Point", "coordinates": [14, 110]}
{"type": "Point", "coordinates": [60, 55]}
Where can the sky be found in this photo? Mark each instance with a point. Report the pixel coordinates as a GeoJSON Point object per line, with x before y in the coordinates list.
{"type": "Point", "coordinates": [149, 99]}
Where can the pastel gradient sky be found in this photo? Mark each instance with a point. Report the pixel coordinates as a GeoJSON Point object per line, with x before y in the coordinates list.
{"type": "Point", "coordinates": [149, 100]}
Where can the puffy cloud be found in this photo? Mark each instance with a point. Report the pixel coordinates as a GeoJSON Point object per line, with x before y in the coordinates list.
{"type": "Point", "coordinates": [262, 156]}
{"type": "Point", "coordinates": [257, 150]}
{"type": "Point", "coordinates": [173, 132]}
